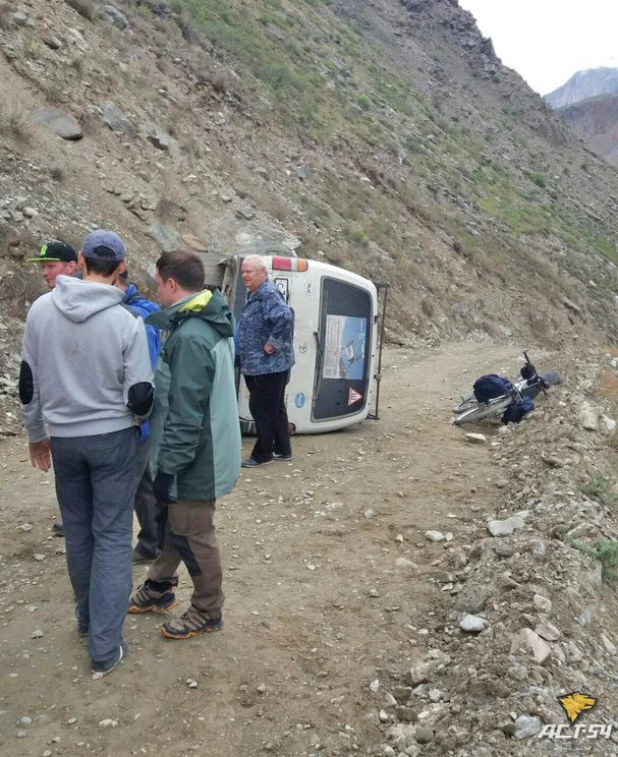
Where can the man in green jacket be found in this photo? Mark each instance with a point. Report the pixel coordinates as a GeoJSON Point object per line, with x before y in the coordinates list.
{"type": "Point", "coordinates": [196, 435]}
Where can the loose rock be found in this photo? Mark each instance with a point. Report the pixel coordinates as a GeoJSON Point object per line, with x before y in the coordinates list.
{"type": "Point", "coordinates": [505, 527]}
{"type": "Point", "coordinates": [526, 726]}
{"type": "Point", "coordinates": [473, 624]}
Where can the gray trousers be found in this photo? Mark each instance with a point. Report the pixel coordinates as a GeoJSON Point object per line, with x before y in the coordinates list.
{"type": "Point", "coordinates": [148, 511]}
{"type": "Point", "coordinates": [95, 486]}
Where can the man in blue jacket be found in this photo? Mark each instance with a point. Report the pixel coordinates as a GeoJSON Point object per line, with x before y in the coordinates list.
{"type": "Point", "coordinates": [147, 509]}
{"type": "Point", "coordinates": [264, 344]}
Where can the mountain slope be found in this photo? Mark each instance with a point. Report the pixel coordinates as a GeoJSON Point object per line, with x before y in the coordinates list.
{"type": "Point", "coordinates": [383, 136]}
{"type": "Point", "coordinates": [596, 122]}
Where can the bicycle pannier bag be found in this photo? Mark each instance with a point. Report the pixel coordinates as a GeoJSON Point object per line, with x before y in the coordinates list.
{"type": "Point", "coordinates": [490, 386]}
{"type": "Point", "coordinates": [515, 412]}
{"type": "Point", "coordinates": [528, 371]}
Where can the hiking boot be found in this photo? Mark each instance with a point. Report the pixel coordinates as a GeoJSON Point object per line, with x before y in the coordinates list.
{"type": "Point", "coordinates": [251, 462]}
{"type": "Point", "coordinates": [100, 669]}
{"type": "Point", "coordinates": [191, 623]}
{"type": "Point", "coordinates": [152, 596]}
{"type": "Point", "coordinates": [285, 458]}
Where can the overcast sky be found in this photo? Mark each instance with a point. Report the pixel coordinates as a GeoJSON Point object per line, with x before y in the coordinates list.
{"type": "Point", "coordinates": [547, 41]}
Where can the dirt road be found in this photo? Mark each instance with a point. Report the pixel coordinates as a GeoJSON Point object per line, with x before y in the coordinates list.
{"type": "Point", "coordinates": [323, 596]}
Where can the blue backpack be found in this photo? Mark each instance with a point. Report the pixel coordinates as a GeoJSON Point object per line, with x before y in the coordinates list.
{"type": "Point", "coordinates": [490, 386]}
{"type": "Point", "coordinates": [515, 412]}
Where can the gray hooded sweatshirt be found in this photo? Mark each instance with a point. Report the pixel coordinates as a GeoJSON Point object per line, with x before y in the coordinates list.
{"type": "Point", "coordinates": [85, 363]}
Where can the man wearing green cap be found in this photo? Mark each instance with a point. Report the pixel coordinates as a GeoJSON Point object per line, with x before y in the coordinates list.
{"type": "Point", "coordinates": [56, 259]}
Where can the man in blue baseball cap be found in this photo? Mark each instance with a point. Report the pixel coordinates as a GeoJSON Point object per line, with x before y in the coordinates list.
{"type": "Point", "coordinates": [85, 378]}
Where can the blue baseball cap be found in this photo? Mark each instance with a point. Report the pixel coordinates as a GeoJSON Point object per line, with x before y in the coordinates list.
{"type": "Point", "coordinates": [104, 245]}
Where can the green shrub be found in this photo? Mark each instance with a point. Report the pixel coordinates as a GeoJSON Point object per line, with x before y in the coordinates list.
{"type": "Point", "coordinates": [145, 12]}
{"type": "Point", "coordinates": [598, 487]}
{"type": "Point", "coordinates": [606, 552]}
{"type": "Point", "coordinates": [539, 180]}
{"type": "Point", "coordinates": [357, 235]}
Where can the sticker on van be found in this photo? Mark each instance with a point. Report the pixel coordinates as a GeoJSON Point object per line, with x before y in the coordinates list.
{"type": "Point", "coordinates": [354, 396]}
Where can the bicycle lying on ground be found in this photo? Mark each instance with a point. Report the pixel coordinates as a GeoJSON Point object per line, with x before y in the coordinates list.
{"type": "Point", "coordinates": [531, 383]}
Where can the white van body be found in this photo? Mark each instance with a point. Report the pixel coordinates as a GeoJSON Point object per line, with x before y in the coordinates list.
{"type": "Point", "coordinates": [335, 341]}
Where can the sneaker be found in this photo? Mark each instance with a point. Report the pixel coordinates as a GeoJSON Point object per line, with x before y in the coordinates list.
{"type": "Point", "coordinates": [251, 463]}
{"type": "Point", "coordinates": [285, 458]}
{"type": "Point", "coordinates": [140, 558]}
{"type": "Point", "coordinates": [192, 623]}
{"type": "Point", "coordinates": [58, 529]}
{"type": "Point", "coordinates": [147, 598]}
{"type": "Point", "coordinates": [100, 669]}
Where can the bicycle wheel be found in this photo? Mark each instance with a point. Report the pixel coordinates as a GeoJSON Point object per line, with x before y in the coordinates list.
{"type": "Point", "coordinates": [550, 378]}
{"type": "Point", "coordinates": [486, 410]}
{"type": "Point", "coordinates": [466, 403]}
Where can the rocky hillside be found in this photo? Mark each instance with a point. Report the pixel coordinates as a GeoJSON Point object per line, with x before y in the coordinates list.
{"type": "Point", "coordinates": [386, 137]}
{"type": "Point", "coordinates": [584, 84]}
{"type": "Point", "coordinates": [596, 122]}
{"type": "Point", "coordinates": [533, 594]}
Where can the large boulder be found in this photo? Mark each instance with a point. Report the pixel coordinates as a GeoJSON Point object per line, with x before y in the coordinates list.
{"type": "Point", "coordinates": [62, 124]}
{"type": "Point", "coordinates": [116, 120]}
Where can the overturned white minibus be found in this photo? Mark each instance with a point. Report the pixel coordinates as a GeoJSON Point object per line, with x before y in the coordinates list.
{"type": "Point", "coordinates": [338, 331]}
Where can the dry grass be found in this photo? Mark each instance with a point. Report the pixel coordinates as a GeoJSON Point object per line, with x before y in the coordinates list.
{"type": "Point", "coordinates": [56, 173]}
{"type": "Point", "coordinates": [190, 145]}
{"type": "Point", "coordinates": [16, 121]}
{"type": "Point", "coordinates": [20, 288]}
{"type": "Point", "coordinates": [5, 16]}
{"type": "Point", "coordinates": [277, 208]}
{"type": "Point", "coordinates": [169, 211]}
{"type": "Point", "coordinates": [77, 65]}
{"type": "Point", "coordinates": [607, 385]}
{"type": "Point", "coordinates": [220, 82]}
{"type": "Point", "coordinates": [85, 8]}
{"type": "Point", "coordinates": [56, 92]}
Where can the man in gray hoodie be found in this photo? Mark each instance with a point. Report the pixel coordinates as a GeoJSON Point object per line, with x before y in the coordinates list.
{"type": "Point", "coordinates": [85, 378]}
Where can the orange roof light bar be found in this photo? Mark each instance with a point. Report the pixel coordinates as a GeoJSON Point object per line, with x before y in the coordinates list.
{"type": "Point", "coordinates": [289, 264]}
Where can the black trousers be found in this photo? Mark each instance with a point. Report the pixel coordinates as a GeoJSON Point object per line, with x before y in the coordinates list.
{"type": "Point", "coordinates": [267, 406]}
{"type": "Point", "coordinates": [148, 510]}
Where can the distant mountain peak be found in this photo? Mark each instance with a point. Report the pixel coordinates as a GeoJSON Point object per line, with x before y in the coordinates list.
{"type": "Point", "coordinates": [590, 82]}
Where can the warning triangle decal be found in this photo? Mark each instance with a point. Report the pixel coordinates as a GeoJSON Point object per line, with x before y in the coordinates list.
{"type": "Point", "coordinates": [354, 397]}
